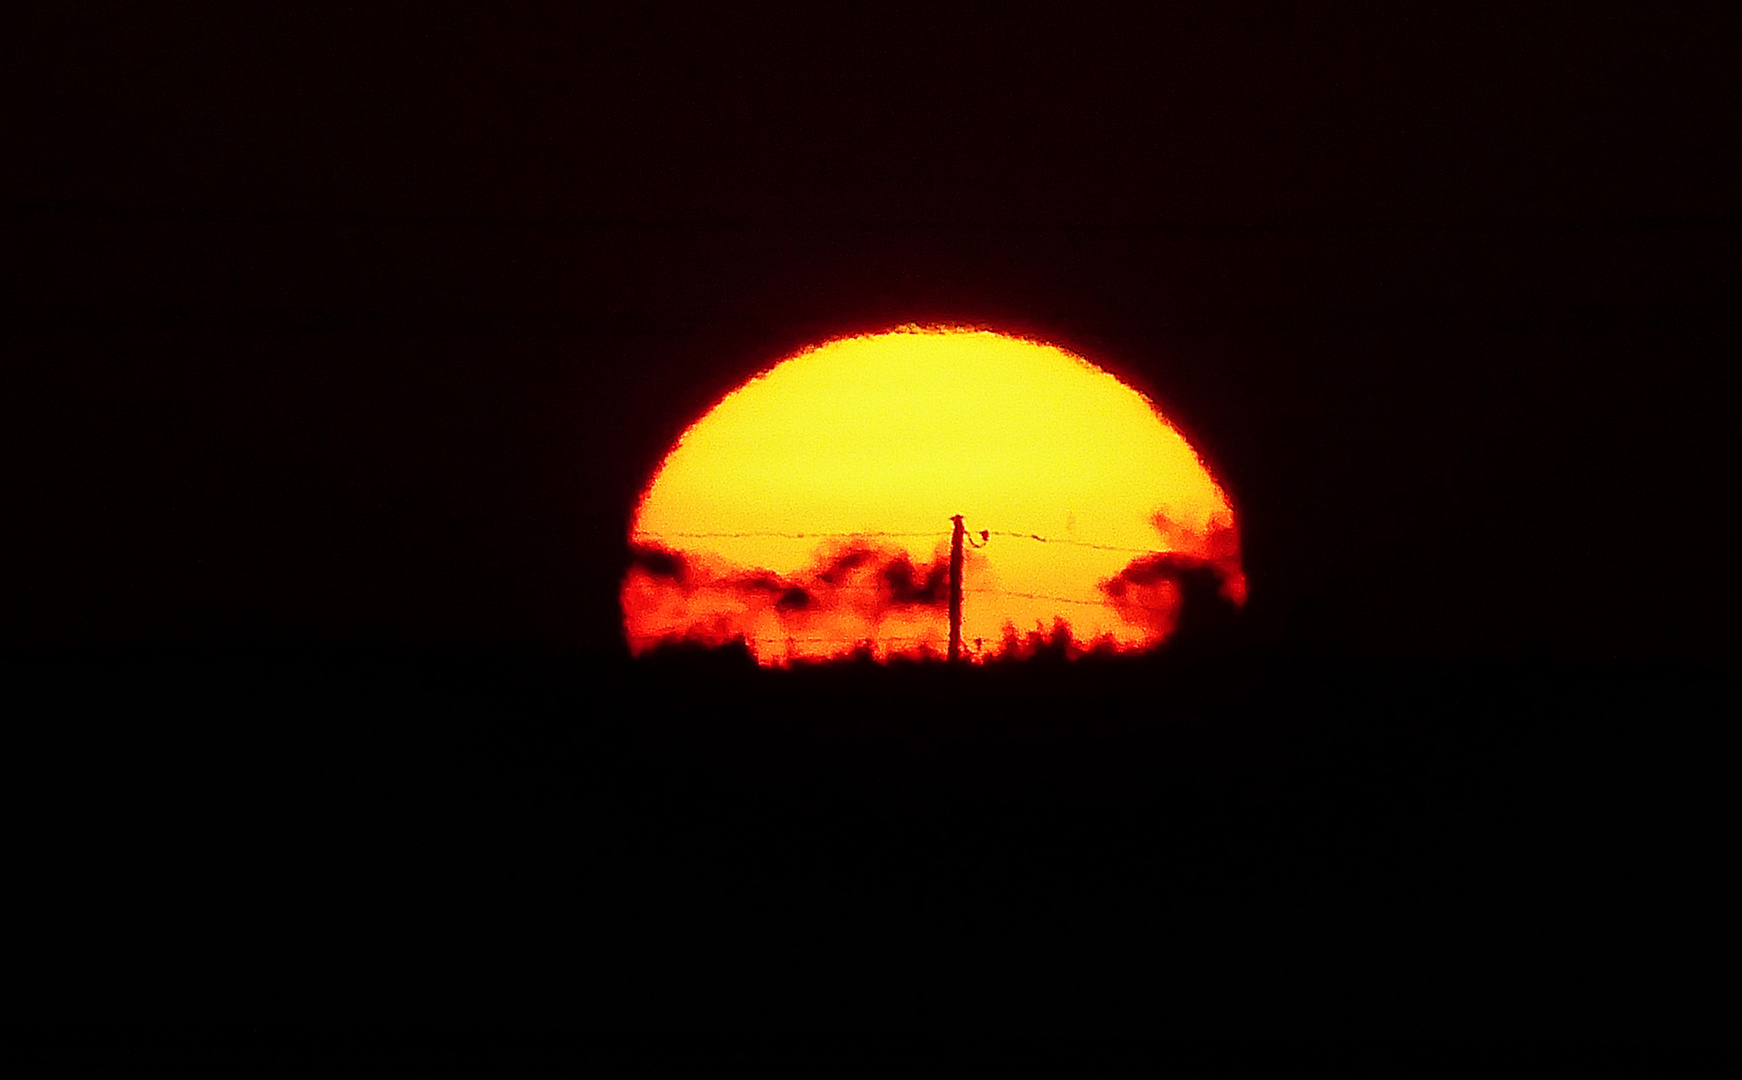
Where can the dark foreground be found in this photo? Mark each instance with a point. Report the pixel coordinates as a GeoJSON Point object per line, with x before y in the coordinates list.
{"type": "Point", "coordinates": [674, 861]}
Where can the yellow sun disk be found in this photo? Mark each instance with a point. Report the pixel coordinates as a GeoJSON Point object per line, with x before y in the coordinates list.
{"type": "Point", "coordinates": [897, 432]}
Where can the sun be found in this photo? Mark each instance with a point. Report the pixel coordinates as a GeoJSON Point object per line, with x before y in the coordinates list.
{"type": "Point", "coordinates": [809, 512]}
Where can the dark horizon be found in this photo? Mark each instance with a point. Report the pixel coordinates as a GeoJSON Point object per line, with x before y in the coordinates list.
{"type": "Point", "coordinates": [339, 342]}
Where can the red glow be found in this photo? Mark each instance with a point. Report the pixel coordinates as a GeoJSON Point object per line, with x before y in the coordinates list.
{"type": "Point", "coordinates": [808, 514]}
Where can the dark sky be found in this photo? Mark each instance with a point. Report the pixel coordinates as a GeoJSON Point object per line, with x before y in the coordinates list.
{"type": "Point", "coordinates": [363, 324]}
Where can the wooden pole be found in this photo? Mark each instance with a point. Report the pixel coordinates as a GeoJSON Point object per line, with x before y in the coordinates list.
{"type": "Point", "coordinates": [956, 590]}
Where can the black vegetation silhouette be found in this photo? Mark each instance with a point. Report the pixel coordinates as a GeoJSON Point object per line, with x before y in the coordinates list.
{"type": "Point", "coordinates": [1204, 843]}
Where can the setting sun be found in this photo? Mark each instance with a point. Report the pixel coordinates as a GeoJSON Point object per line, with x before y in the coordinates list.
{"type": "Point", "coordinates": [809, 512]}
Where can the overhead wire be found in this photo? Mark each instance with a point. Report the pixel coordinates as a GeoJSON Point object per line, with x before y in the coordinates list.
{"type": "Point", "coordinates": [782, 639]}
{"type": "Point", "coordinates": [1078, 543]}
{"type": "Point", "coordinates": [936, 533]}
{"type": "Point", "coordinates": [782, 535]}
{"type": "Point", "coordinates": [1063, 599]}
{"type": "Point", "coordinates": [880, 640]}
{"type": "Point", "coordinates": [890, 533]}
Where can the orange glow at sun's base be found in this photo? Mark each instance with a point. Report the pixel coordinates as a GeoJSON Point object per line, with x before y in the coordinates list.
{"type": "Point", "coordinates": [808, 514]}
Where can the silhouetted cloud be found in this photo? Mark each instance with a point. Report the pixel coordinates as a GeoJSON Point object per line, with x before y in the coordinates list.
{"type": "Point", "coordinates": [1186, 597]}
{"type": "Point", "coordinates": [910, 585]}
{"type": "Point", "coordinates": [1217, 545]}
{"type": "Point", "coordinates": [843, 596]}
{"type": "Point", "coordinates": [659, 562]}
{"type": "Point", "coordinates": [858, 591]}
{"type": "Point", "coordinates": [1150, 570]}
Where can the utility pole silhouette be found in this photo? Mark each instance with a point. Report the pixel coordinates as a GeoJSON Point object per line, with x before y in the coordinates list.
{"type": "Point", "coordinates": [956, 590]}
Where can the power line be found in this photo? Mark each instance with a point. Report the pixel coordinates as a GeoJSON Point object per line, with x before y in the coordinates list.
{"type": "Point", "coordinates": [888, 533]}
{"type": "Point", "coordinates": [1037, 596]}
{"type": "Point", "coordinates": [780, 535]}
{"type": "Point", "coordinates": [1078, 543]}
{"type": "Point", "coordinates": [781, 639]}
{"type": "Point", "coordinates": [830, 587]}
{"type": "Point", "coordinates": [825, 588]}
{"type": "Point", "coordinates": [958, 535]}
{"type": "Point", "coordinates": [1107, 602]}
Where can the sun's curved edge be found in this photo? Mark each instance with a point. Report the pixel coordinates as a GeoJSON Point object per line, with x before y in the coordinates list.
{"type": "Point", "coordinates": [1235, 586]}
{"type": "Point", "coordinates": [938, 328]}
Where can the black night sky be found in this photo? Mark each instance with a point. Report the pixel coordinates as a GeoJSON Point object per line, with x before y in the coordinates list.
{"type": "Point", "coordinates": [339, 339]}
